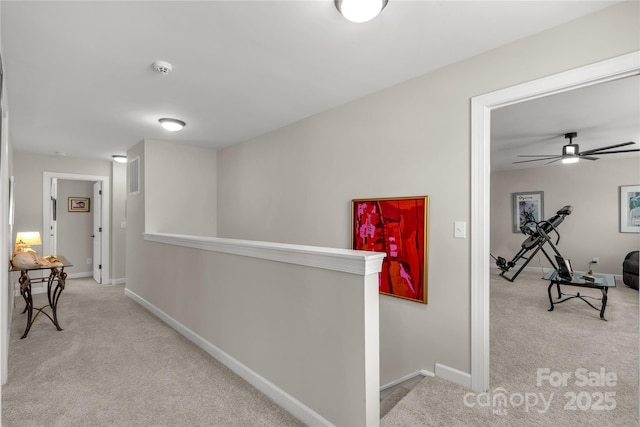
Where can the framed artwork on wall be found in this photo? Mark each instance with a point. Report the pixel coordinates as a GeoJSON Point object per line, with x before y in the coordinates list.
{"type": "Point", "coordinates": [528, 209]}
{"type": "Point", "coordinates": [398, 227]}
{"type": "Point", "coordinates": [79, 204]}
{"type": "Point", "coordinates": [630, 209]}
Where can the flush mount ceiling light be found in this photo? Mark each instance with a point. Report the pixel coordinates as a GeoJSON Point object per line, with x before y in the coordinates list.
{"type": "Point", "coordinates": [359, 11]}
{"type": "Point", "coordinates": [119, 158]}
{"type": "Point", "coordinates": [172, 124]}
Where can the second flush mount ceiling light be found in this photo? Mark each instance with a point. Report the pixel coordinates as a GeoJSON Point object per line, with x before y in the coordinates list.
{"type": "Point", "coordinates": [359, 11]}
{"type": "Point", "coordinates": [172, 125]}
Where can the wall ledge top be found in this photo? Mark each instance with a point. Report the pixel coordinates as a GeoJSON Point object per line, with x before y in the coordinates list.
{"type": "Point", "coordinates": [336, 259]}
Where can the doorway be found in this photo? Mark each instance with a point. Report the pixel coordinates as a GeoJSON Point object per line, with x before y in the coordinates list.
{"type": "Point", "coordinates": [481, 107]}
{"type": "Point", "coordinates": [100, 219]}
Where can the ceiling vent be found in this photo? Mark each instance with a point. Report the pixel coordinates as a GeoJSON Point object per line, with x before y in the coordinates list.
{"type": "Point", "coordinates": [162, 67]}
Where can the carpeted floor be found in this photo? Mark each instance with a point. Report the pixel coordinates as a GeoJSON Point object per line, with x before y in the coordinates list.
{"type": "Point", "coordinates": [532, 350]}
{"type": "Point", "coordinates": [115, 364]}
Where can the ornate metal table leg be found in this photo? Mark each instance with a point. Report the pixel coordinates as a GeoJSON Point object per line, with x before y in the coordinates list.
{"type": "Point", "coordinates": [549, 292]}
{"type": "Point", "coordinates": [58, 276]}
{"type": "Point", "coordinates": [604, 302]}
{"type": "Point", "coordinates": [25, 291]}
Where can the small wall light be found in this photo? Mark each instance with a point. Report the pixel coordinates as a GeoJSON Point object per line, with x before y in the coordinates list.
{"type": "Point", "coordinates": [25, 239]}
{"type": "Point", "coordinates": [172, 125]}
{"type": "Point", "coordinates": [359, 11]}
{"type": "Point", "coordinates": [119, 158]}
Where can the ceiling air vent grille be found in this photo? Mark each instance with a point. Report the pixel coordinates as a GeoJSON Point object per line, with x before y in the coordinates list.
{"type": "Point", "coordinates": [133, 174]}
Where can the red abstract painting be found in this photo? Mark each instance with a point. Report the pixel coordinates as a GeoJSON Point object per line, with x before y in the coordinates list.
{"type": "Point", "coordinates": [397, 227]}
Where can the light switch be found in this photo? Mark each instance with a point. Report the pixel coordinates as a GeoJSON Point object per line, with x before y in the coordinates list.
{"type": "Point", "coordinates": [123, 224]}
{"type": "Point", "coordinates": [460, 230]}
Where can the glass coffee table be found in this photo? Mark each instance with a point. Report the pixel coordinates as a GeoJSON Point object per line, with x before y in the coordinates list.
{"type": "Point", "coordinates": [600, 281]}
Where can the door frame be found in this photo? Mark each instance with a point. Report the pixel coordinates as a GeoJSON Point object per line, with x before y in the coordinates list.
{"type": "Point", "coordinates": [481, 106]}
{"type": "Point", "coordinates": [106, 230]}
{"type": "Point", "coordinates": [97, 230]}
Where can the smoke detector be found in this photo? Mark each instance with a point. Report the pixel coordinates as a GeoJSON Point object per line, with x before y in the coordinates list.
{"type": "Point", "coordinates": [162, 67]}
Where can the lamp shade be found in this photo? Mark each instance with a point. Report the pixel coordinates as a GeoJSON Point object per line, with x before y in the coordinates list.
{"type": "Point", "coordinates": [28, 238]}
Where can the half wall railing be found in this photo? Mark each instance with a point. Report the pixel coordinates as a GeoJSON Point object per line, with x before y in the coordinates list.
{"type": "Point", "coordinates": [300, 323]}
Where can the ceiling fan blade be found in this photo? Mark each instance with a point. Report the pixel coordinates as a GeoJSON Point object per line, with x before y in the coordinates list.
{"type": "Point", "coordinates": [588, 158]}
{"type": "Point", "coordinates": [535, 160]}
{"type": "Point", "coordinates": [596, 150]}
{"type": "Point", "coordinates": [614, 152]}
{"type": "Point", "coordinates": [552, 161]}
{"type": "Point", "coordinates": [544, 156]}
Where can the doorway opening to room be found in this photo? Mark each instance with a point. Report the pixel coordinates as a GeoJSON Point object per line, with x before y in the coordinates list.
{"type": "Point", "coordinates": [76, 221]}
{"type": "Point", "coordinates": [608, 70]}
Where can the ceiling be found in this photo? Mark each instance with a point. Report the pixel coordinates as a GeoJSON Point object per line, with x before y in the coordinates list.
{"type": "Point", "coordinates": [602, 115]}
{"type": "Point", "coordinates": [80, 81]}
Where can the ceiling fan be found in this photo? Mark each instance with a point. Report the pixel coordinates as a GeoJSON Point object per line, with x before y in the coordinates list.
{"type": "Point", "coordinates": [571, 152]}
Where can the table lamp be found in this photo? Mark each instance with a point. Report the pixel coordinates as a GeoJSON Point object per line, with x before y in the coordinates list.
{"type": "Point", "coordinates": [25, 239]}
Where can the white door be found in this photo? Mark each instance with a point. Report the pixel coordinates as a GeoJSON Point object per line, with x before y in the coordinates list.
{"type": "Point", "coordinates": [97, 231]}
{"type": "Point", "coordinates": [53, 230]}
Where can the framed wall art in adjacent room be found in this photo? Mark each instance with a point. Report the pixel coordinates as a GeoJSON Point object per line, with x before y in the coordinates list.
{"type": "Point", "coordinates": [630, 209]}
{"type": "Point", "coordinates": [528, 209]}
{"type": "Point", "coordinates": [79, 204]}
{"type": "Point", "coordinates": [399, 228]}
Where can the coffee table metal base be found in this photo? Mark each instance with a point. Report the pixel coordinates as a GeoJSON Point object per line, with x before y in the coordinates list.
{"type": "Point", "coordinates": [582, 297]}
{"type": "Point", "coordinates": [598, 281]}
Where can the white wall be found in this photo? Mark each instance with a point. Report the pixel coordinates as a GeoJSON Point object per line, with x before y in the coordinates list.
{"type": "Point", "coordinates": [592, 229]}
{"type": "Point", "coordinates": [6, 232]}
{"type": "Point", "coordinates": [295, 184]}
{"type": "Point", "coordinates": [118, 219]}
{"type": "Point", "coordinates": [304, 335]}
{"type": "Point", "coordinates": [182, 199]}
{"type": "Point", "coordinates": [184, 195]}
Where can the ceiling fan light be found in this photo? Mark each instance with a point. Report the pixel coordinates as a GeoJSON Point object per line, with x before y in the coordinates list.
{"type": "Point", "coordinates": [360, 11]}
{"type": "Point", "coordinates": [570, 159]}
{"type": "Point", "coordinates": [172, 125]}
{"type": "Point", "coordinates": [570, 154]}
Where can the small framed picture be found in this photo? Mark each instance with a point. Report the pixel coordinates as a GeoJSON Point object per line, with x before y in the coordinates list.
{"type": "Point", "coordinates": [79, 204]}
{"type": "Point", "coordinates": [528, 210]}
{"type": "Point", "coordinates": [630, 209]}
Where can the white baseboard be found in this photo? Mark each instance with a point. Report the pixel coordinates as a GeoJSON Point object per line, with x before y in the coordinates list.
{"type": "Point", "coordinates": [421, 373]}
{"type": "Point", "coordinates": [534, 268]}
{"type": "Point", "coordinates": [41, 287]}
{"type": "Point", "coordinates": [35, 290]}
{"type": "Point", "coordinates": [288, 402]}
{"type": "Point", "coordinates": [118, 281]}
{"type": "Point", "coordinates": [80, 275]}
{"type": "Point", "coordinates": [453, 375]}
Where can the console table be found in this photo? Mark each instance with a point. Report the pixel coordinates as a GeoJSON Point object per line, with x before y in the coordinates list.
{"type": "Point", "coordinates": [57, 276]}
{"type": "Point", "coordinates": [601, 281]}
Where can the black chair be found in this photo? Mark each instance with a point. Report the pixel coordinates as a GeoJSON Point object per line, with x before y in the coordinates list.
{"type": "Point", "coordinates": [630, 270]}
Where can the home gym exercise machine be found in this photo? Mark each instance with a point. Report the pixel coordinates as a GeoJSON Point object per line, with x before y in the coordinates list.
{"type": "Point", "coordinates": [539, 235]}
